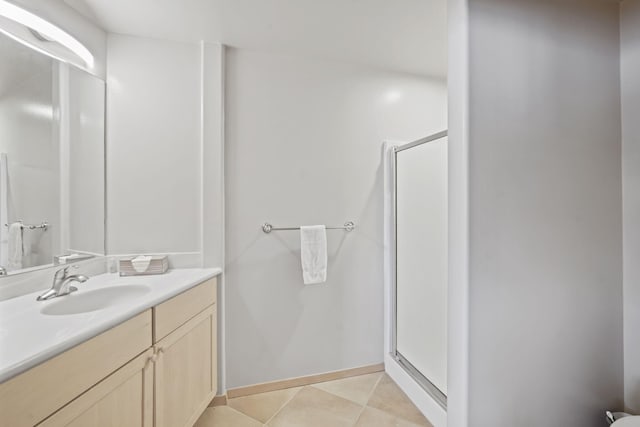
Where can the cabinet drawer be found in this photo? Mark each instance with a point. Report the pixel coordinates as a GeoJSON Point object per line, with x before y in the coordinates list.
{"type": "Point", "coordinates": [29, 398]}
{"type": "Point", "coordinates": [170, 315]}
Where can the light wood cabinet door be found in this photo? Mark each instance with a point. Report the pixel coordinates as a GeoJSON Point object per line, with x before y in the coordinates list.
{"type": "Point", "coordinates": [124, 398]}
{"type": "Point", "coordinates": [186, 371]}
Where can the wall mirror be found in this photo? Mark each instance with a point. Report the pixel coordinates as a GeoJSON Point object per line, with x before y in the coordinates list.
{"type": "Point", "coordinates": [52, 166]}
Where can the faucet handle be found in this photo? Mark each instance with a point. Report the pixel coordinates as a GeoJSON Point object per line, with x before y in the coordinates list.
{"type": "Point", "coordinates": [67, 268]}
{"type": "Point", "coordinates": [62, 273]}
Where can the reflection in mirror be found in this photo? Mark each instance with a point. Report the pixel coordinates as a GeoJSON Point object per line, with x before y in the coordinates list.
{"type": "Point", "coordinates": [51, 161]}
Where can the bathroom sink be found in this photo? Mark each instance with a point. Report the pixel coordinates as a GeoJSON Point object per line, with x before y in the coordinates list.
{"type": "Point", "coordinates": [84, 302]}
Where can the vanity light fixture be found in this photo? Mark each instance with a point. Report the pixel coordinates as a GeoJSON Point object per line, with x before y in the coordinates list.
{"type": "Point", "coordinates": [36, 33]}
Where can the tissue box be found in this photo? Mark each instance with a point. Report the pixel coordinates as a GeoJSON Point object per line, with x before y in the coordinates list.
{"type": "Point", "coordinates": [157, 265]}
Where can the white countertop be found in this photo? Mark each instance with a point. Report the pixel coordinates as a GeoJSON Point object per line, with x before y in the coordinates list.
{"type": "Point", "coordinates": [28, 337]}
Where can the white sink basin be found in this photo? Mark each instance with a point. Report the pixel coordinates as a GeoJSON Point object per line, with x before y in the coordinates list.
{"type": "Point", "coordinates": [84, 302]}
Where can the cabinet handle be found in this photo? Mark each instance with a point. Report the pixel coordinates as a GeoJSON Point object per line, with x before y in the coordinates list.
{"type": "Point", "coordinates": [151, 359]}
{"type": "Point", "coordinates": [154, 357]}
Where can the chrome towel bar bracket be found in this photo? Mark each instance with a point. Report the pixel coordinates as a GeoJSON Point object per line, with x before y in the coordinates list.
{"type": "Point", "coordinates": [268, 228]}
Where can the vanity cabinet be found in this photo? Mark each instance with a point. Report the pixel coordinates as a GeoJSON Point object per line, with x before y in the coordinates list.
{"type": "Point", "coordinates": [157, 369]}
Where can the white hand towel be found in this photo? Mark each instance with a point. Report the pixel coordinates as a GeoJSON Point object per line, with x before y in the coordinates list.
{"type": "Point", "coordinates": [16, 251]}
{"type": "Point", "coordinates": [313, 253]}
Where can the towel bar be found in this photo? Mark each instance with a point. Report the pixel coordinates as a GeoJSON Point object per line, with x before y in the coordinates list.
{"type": "Point", "coordinates": [44, 225]}
{"type": "Point", "coordinates": [268, 228]}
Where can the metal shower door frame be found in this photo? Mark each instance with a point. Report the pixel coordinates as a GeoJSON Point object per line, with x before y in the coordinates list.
{"type": "Point", "coordinates": [419, 378]}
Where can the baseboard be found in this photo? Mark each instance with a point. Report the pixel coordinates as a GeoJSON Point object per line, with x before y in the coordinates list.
{"type": "Point", "coordinates": [302, 381]}
{"type": "Point", "coordinates": [219, 400]}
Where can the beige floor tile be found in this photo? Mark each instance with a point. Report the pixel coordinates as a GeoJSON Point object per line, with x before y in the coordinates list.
{"type": "Point", "coordinates": [372, 417]}
{"type": "Point", "coordinates": [357, 389]}
{"type": "Point", "coordinates": [223, 416]}
{"type": "Point", "coordinates": [312, 407]}
{"type": "Point", "coordinates": [389, 398]}
{"type": "Point", "coordinates": [263, 406]}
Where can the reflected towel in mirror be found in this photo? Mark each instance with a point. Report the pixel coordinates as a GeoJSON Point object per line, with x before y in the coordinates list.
{"type": "Point", "coordinates": [4, 209]}
{"type": "Point", "coordinates": [16, 250]}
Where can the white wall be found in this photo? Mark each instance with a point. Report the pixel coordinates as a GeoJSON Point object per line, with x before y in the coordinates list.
{"type": "Point", "coordinates": [303, 146]}
{"type": "Point", "coordinates": [212, 75]}
{"type": "Point", "coordinates": [630, 72]}
{"type": "Point", "coordinates": [164, 149]}
{"type": "Point", "coordinates": [153, 146]}
{"type": "Point", "coordinates": [545, 213]}
{"type": "Point", "coordinates": [458, 275]}
{"type": "Point", "coordinates": [212, 132]}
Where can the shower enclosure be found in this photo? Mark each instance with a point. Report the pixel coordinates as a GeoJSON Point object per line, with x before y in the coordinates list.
{"type": "Point", "coordinates": [416, 205]}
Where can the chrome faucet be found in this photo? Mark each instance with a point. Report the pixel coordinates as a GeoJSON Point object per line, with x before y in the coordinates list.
{"type": "Point", "coordinates": [62, 284]}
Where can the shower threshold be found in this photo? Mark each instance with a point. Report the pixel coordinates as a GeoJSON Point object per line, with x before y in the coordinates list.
{"type": "Point", "coordinates": [421, 380]}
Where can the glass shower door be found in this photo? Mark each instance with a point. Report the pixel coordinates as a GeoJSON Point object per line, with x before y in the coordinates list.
{"type": "Point", "coordinates": [421, 263]}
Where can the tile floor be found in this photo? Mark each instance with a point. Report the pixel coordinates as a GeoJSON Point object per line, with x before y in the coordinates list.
{"type": "Point", "coordinates": [372, 400]}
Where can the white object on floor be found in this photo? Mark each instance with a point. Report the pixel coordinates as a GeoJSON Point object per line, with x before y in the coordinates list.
{"type": "Point", "coordinates": [313, 253]}
{"type": "Point", "coordinates": [15, 249]}
{"type": "Point", "coordinates": [4, 208]}
{"type": "Point", "coordinates": [141, 263]}
{"type": "Point", "coordinates": [633, 421]}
